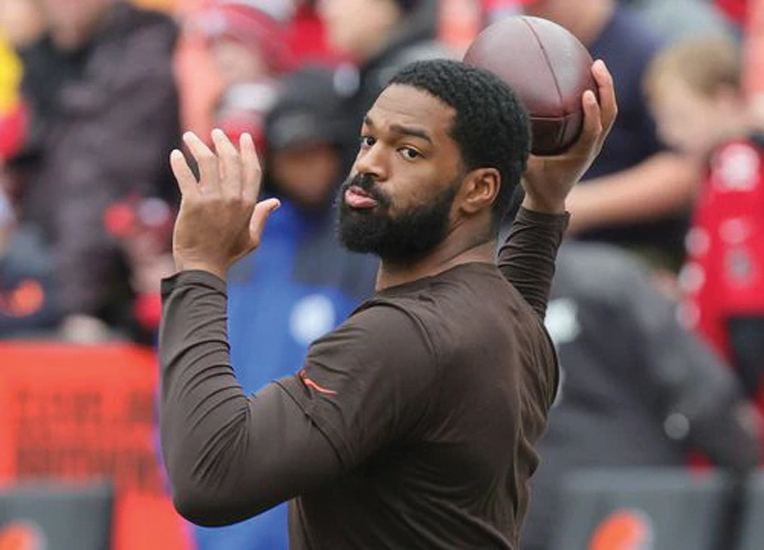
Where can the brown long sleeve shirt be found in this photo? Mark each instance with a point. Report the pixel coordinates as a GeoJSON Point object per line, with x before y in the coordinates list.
{"type": "Point", "coordinates": [412, 425]}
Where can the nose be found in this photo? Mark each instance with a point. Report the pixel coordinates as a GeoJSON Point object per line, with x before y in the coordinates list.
{"type": "Point", "coordinates": [373, 161]}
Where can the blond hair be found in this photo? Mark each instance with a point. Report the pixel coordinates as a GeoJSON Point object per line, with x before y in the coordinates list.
{"type": "Point", "coordinates": [705, 64]}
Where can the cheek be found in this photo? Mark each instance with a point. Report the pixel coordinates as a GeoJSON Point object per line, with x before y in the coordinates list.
{"type": "Point", "coordinates": [412, 191]}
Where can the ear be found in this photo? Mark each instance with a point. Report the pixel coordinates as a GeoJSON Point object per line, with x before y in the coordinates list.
{"type": "Point", "coordinates": [479, 190]}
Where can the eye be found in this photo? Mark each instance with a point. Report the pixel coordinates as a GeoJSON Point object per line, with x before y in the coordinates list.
{"type": "Point", "coordinates": [409, 153]}
{"type": "Point", "coordinates": [367, 141]}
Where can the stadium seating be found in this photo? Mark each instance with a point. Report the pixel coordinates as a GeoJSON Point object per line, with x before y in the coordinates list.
{"type": "Point", "coordinates": [643, 508]}
{"type": "Point", "coordinates": [56, 516]}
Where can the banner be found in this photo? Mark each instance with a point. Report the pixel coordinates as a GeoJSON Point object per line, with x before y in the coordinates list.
{"type": "Point", "coordinates": [77, 413]}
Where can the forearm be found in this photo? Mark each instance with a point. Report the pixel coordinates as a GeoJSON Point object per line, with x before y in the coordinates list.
{"type": "Point", "coordinates": [228, 456]}
{"type": "Point", "coordinates": [527, 258]}
{"type": "Point", "coordinates": [661, 185]}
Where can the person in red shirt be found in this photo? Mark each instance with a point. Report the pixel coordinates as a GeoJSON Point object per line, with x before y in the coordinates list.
{"type": "Point", "coordinates": [695, 92]}
{"type": "Point", "coordinates": [306, 37]}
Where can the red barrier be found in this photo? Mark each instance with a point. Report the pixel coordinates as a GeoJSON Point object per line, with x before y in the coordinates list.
{"type": "Point", "coordinates": [82, 412]}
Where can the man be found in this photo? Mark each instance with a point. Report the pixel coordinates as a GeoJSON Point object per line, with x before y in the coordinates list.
{"type": "Point", "coordinates": [104, 113]}
{"type": "Point", "coordinates": [412, 425]}
{"type": "Point", "coordinates": [636, 194]}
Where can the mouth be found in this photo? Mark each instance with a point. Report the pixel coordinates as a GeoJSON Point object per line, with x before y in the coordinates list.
{"type": "Point", "coordinates": [357, 198]}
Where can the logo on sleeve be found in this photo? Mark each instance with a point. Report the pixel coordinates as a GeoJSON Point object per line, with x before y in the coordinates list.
{"type": "Point", "coordinates": [311, 384]}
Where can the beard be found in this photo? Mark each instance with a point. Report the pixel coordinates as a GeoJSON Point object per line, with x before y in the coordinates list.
{"type": "Point", "coordinates": [408, 235]}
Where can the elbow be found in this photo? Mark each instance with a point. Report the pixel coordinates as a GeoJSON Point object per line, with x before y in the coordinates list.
{"type": "Point", "coordinates": [198, 508]}
{"type": "Point", "coordinates": [207, 509]}
{"type": "Point", "coordinates": [216, 505]}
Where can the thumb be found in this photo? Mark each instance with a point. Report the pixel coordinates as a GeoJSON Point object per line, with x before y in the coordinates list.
{"type": "Point", "coordinates": [259, 218]}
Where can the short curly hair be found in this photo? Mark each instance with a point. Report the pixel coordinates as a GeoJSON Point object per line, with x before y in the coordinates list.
{"type": "Point", "coordinates": [491, 126]}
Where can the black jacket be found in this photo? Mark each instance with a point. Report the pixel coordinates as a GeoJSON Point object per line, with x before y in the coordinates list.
{"type": "Point", "coordinates": [636, 389]}
{"type": "Point", "coordinates": [105, 119]}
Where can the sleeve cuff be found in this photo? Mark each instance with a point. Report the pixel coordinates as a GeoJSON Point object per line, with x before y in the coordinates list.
{"type": "Point", "coordinates": [558, 222]}
{"type": "Point", "coordinates": [193, 278]}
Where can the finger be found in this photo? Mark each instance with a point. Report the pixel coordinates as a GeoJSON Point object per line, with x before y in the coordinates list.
{"type": "Point", "coordinates": [260, 216]}
{"type": "Point", "coordinates": [607, 97]}
{"type": "Point", "coordinates": [592, 128]}
{"type": "Point", "coordinates": [185, 177]}
{"type": "Point", "coordinates": [209, 178]}
{"type": "Point", "coordinates": [229, 163]}
{"type": "Point", "coordinates": [252, 173]}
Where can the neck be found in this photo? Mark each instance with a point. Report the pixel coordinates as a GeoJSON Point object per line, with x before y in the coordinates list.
{"type": "Point", "coordinates": [453, 251]}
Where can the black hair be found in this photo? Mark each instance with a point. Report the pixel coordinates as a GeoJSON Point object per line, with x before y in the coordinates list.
{"type": "Point", "coordinates": [491, 126]}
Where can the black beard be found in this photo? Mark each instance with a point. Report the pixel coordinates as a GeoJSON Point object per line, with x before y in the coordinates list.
{"type": "Point", "coordinates": [407, 236]}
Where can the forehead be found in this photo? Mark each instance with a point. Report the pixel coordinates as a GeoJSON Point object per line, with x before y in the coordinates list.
{"type": "Point", "coordinates": [408, 106]}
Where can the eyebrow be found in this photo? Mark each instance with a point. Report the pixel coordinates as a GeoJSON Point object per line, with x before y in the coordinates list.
{"type": "Point", "coordinates": [403, 130]}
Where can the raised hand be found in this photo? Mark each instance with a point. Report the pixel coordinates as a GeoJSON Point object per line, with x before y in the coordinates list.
{"type": "Point", "coordinates": [220, 219]}
{"type": "Point", "coordinates": [548, 180]}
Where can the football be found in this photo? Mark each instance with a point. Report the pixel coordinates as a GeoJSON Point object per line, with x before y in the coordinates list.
{"type": "Point", "coordinates": [547, 67]}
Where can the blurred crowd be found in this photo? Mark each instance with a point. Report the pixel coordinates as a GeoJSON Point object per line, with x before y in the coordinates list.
{"type": "Point", "coordinates": [658, 306]}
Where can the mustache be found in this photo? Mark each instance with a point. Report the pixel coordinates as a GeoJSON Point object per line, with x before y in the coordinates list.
{"type": "Point", "coordinates": [367, 184]}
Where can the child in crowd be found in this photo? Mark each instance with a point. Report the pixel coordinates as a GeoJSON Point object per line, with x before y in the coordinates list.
{"type": "Point", "coordinates": [695, 92]}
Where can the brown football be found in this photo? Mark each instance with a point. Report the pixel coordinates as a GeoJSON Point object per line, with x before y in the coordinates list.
{"type": "Point", "coordinates": [547, 67]}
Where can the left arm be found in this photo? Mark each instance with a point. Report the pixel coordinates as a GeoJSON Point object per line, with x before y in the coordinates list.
{"type": "Point", "coordinates": [527, 258]}
{"type": "Point", "coordinates": [660, 185]}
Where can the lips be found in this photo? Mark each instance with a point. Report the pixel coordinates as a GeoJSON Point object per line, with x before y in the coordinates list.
{"type": "Point", "coordinates": [355, 197]}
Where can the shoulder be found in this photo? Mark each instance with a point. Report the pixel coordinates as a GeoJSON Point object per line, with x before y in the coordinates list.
{"type": "Point", "coordinates": [627, 43]}
{"type": "Point", "coordinates": [139, 25]}
{"type": "Point", "coordinates": [737, 165]}
{"type": "Point", "coordinates": [393, 328]}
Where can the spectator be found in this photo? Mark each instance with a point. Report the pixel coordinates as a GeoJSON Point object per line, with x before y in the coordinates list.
{"type": "Point", "coordinates": [104, 118]}
{"type": "Point", "coordinates": [636, 194]}
{"type": "Point", "coordinates": [21, 21]}
{"type": "Point", "coordinates": [300, 276]}
{"type": "Point", "coordinates": [380, 36]}
{"type": "Point", "coordinates": [695, 91]}
{"type": "Point", "coordinates": [247, 41]}
{"type": "Point", "coordinates": [28, 305]}
{"type": "Point", "coordinates": [680, 19]}
{"type": "Point", "coordinates": [306, 35]}
{"type": "Point", "coordinates": [637, 390]}
{"type": "Point", "coordinates": [247, 46]}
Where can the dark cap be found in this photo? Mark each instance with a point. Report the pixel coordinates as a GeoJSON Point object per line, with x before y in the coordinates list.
{"type": "Point", "coordinates": [306, 113]}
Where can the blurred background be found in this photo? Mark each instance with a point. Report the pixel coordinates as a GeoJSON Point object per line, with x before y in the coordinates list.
{"type": "Point", "coordinates": [657, 310]}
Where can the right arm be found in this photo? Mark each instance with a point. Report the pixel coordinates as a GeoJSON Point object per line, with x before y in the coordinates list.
{"type": "Point", "coordinates": [230, 456]}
